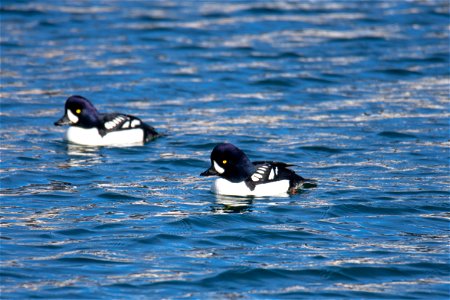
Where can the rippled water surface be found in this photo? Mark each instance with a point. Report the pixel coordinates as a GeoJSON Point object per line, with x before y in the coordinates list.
{"type": "Point", "coordinates": [355, 93]}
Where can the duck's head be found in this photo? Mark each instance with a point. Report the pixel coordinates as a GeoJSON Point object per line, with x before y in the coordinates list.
{"type": "Point", "coordinates": [229, 162]}
{"type": "Point", "coordinates": [79, 111]}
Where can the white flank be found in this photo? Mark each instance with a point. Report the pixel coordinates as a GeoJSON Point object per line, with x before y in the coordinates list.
{"type": "Point", "coordinates": [218, 168]}
{"type": "Point", "coordinates": [91, 137]}
{"type": "Point", "coordinates": [276, 188]}
{"type": "Point", "coordinates": [72, 117]}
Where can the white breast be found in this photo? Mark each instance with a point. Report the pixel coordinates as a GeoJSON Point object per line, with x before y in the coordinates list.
{"type": "Point", "coordinates": [91, 137]}
{"type": "Point", "coordinates": [275, 188]}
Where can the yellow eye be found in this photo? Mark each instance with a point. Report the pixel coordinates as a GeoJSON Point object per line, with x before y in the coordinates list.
{"type": "Point", "coordinates": [224, 161]}
{"type": "Point", "coordinates": [78, 111]}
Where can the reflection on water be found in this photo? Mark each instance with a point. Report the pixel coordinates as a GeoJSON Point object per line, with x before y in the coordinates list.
{"type": "Point", "coordinates": [229, 204]}
{"type": "Point", "coordinates": [78, 150]}
{"type": "Point", "coordinates": [82, 156]}
{"type": "Point", "coordinates": [53, 185]}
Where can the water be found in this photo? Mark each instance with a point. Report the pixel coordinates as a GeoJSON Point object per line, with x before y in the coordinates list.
{"type": "Point", "coordinates": [354, 93]}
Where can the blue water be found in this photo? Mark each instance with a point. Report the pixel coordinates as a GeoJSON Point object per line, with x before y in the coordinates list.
{"type": "Point", "coordinates": [355, 93]}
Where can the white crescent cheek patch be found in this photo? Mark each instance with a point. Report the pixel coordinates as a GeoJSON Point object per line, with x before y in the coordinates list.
{"type": "Point", "coordinates": [218, 168]}
{"type": "Point", "coordinates": [72, 117]}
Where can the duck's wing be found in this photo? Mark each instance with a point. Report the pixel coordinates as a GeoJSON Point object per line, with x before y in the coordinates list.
{"type": "Point", "coordinates": [269, 171]}
{"type": "Point", "coordinates": [117, 121]}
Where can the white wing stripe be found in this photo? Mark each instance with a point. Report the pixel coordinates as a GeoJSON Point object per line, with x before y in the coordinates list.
{"type": "Point", "coordinates": [135, 123]}
{"type": "Point", "coordinates": [259, 176]}
{"type": "Point", "coordinates": [116, 121]}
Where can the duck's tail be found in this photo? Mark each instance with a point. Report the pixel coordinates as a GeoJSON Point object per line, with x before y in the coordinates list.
{"type": "Point", "coordinates": [150, 133]}
{"type": "Point", "coordinates": [301, 183]}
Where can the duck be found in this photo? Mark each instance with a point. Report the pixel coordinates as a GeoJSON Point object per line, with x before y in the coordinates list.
{"type": "Point", "coordinates": [238, 176]}
{"type": "Point", "coordinates": [90, 128]}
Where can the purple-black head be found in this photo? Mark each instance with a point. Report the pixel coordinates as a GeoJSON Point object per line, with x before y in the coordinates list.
{"type": "Point", "coordinates": [79, 111]}
{"type": "Point", "coordinates": [229, 162]}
